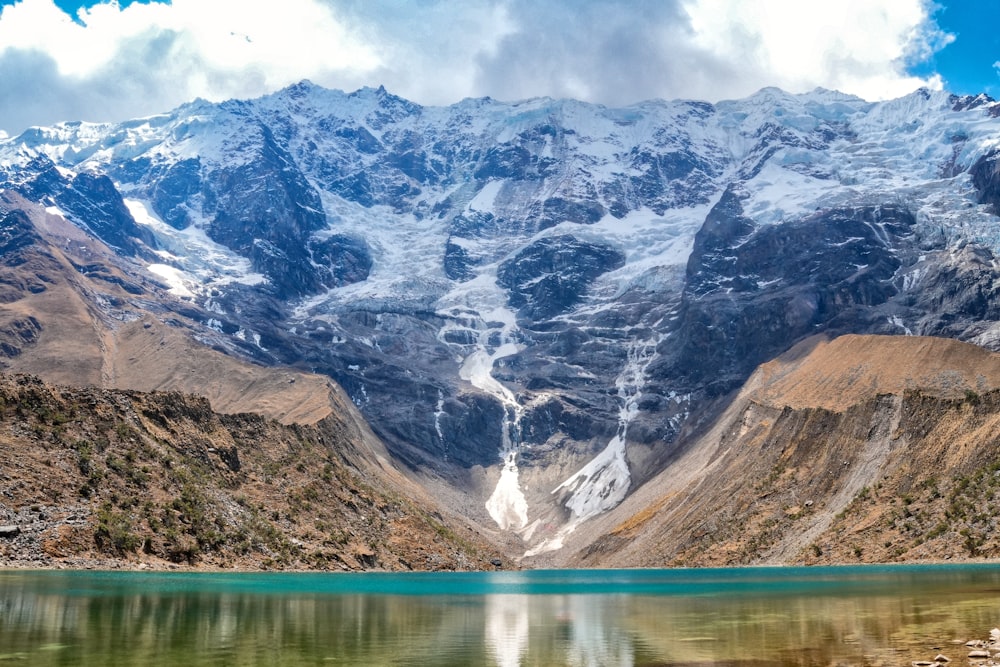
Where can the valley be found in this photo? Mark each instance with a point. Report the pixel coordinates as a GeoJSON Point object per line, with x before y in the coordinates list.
{"type": "Point", "coordinates": [590, 336]}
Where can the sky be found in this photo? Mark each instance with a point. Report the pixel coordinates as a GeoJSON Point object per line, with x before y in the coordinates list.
{"type": "Point", "coordinates": [107, 61]}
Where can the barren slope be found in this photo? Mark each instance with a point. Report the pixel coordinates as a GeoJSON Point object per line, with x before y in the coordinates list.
{"type": "Point", "coordinates": [835, 375]}
{"type": "Point", "coordinates": [864, 448]}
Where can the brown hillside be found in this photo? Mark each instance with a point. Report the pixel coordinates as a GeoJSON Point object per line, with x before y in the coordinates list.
{"type": "Point", "coordinates": [110, 478]}
{"type": "Point", "coordinates": [838, 374]}
{"type": "Point", "coordinates": [73, 315]}
{"type": "Point", "coordinates": [860, 449]}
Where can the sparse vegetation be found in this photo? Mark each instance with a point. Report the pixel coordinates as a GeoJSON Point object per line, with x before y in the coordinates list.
{"type": "Point", "coordinates": [114, 532]}
{"type": "Point", "coordinates": [163, 485]}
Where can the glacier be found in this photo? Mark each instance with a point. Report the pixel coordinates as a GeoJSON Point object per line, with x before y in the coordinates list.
{"type": "Point", "coordinates": [523, 289]}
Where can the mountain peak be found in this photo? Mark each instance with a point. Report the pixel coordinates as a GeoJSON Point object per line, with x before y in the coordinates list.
{"type": "Point", "coordinates": [303, 87]}
{"type": "Point", "coordinates": [494, 278]}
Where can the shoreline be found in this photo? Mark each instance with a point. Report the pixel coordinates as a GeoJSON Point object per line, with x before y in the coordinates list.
{"type": "Point", "coordinates": [111, 565]}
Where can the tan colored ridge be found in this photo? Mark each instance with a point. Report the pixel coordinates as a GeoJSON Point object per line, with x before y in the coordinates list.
{"type": "Point", "coordinates": [836, 374]}
{"type": "Point", "coordinates": [151, 356]}
{"type": "Point", "coordinates": [81, 343]}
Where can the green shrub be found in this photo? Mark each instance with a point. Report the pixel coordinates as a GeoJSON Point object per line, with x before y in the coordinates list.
{"type": "Point", "coordinates": [114, 532]}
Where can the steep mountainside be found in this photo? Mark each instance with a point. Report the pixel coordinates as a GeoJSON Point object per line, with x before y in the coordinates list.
{"type": "Point", "coordinates": [89, 475]}
{"type": "Point", "coordinates": [860, 449]}
{"type": "Point", "coordinates": [102, 477]}
{"type": "Point", "coordinates": [77, 314]}
{"type": "Point", "coordinates": [536, 304]}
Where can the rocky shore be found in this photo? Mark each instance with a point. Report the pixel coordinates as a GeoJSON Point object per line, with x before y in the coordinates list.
{"type": "Point", "coordinates": [41, 537]}
{"type": "Point", "coordinates": [981, 652]}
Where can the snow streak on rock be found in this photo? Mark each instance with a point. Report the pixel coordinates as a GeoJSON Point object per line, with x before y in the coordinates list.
{"type": "Point", "coordinates": [507, 504]}
{"type": "Point", "coordinates": [604, 482]}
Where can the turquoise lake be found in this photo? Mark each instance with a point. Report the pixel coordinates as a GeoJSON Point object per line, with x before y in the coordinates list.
{"type": "Point", "coordinates": [889, 615]}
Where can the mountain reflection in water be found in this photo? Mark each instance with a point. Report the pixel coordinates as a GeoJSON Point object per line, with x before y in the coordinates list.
{"type": "Point", "coordinates": [777, 616]}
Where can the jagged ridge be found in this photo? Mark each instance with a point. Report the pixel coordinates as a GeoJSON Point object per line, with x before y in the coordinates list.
{"type": "Point", "coordinates": [576, 287]}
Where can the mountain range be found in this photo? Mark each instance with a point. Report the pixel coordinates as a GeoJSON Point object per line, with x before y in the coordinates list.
{"type": "Point", "coordinates": [541, 308]}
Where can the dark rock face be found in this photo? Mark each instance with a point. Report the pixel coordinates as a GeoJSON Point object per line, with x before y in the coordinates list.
{"type": "Point", "coordinates": [96, 200]}
{"type": "Point", "coordinates": [752, 292]}
{"type": "Point", "coordinates": [360, 139]}
{"type": "Point", "coordinates": [341, 260]}
{"type": "Point", "coordinates": [472, 426]}
{"type": "Point", "coordinates": [262, 207]}
{"type": "Point", "coordinates": [171, 192]}
{"type": "Point", "coordinates": [266, 210]}
{"type": "Point", "coordinates": [964, 102]}
{"type": "Point", "coordinates": [551, 275]}
{"type": "Point", "coordinates": [666, 180]}
{"type": "Point", "coordinates": [555, 210]}
{"type": "Point", "coordinates": [16, 233]}
{"type": "Point", "coordinates": [958, 295]}
{"type": "Point", "coordinates": [986, 178]}
{"type": "Point", "coordinates": [510, 161]}
{"type": "Point", "coordinates": [91, 200]}
{"type": "Point", "coordinates": [457, 262]}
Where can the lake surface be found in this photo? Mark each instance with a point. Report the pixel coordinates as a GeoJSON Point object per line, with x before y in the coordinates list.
{"type": "Point", "coordinates": [753, 616]}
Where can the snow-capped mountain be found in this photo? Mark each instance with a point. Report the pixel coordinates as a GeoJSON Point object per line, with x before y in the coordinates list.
{"type": "Point", "coordinates": [539, 300]}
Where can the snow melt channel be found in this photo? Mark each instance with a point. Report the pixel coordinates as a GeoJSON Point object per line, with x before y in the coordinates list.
{"type": "Point", "coordinates": [603, 483]}
{"type": "Point", "coordinates": [507, 504]}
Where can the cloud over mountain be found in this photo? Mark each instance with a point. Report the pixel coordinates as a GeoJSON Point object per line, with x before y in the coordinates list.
{"type": "Point", "coordinates": [113, 62]}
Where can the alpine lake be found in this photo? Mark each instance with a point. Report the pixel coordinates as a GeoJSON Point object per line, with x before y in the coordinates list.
{"type": "Point", "coordinates": [863, 615]}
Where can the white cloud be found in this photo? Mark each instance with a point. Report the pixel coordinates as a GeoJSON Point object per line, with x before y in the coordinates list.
{"type": "Point", "coordinates": [147, 58]}
{"type": "Point", "coordinates": [857, 46]}
{"type": "Point", "coordinates": [116, 63]}
{"type": "Point", "coordinates": [225, 35]}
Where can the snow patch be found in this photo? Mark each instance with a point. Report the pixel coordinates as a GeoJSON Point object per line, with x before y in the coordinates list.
{"type": "Point", "coordinates": [204, 261]}
{"type": "Point", "coordinates": [897, 321]}
{"type": "Point", "coordinates": [176, 279]}
{"type": "Point", "coordinates": [485, 198]}
{"type": "Point", "coordinates": [507, 505]}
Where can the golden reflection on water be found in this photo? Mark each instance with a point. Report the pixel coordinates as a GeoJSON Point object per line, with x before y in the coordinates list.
{"type": "Point", "coordinates": [44, 624]}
